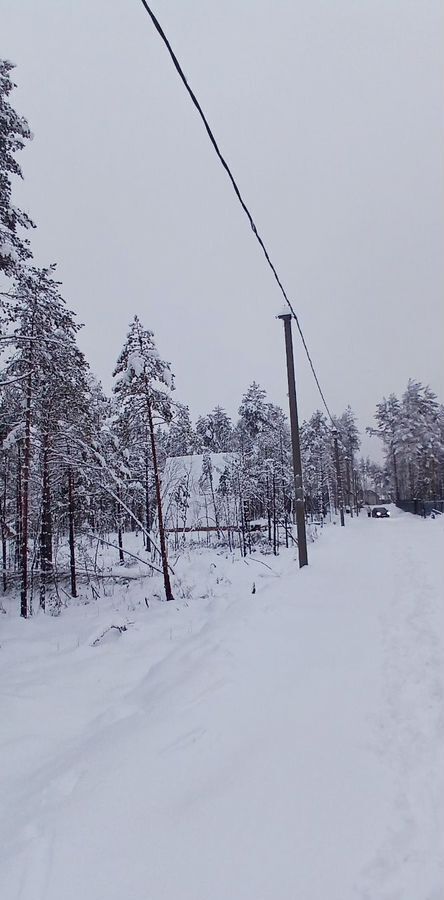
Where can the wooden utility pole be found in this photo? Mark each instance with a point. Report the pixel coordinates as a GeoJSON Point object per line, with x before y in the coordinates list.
{"type": "Point", "coordinates": [349, 486]}
{"type": "Point", "coordinates": [163, 544]}
{"type": "Point", "coordinates": [338, 477]}
{"type": "Point", "coordinates": [295, 443]}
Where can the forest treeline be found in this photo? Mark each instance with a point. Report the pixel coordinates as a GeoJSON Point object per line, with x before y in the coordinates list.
{"type": "Point", "coordinates": [76, 464]}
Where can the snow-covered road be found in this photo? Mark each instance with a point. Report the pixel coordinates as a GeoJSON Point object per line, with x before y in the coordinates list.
{"type": "Point", "coordinates": [281, 745]}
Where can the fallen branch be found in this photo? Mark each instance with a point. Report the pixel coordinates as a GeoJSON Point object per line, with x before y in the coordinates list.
{"type": "Point", "coordinates": [119, 628]}
{"type": "Point", "coordinates": [16, 576]}
{"type": "Point", "coordinates": [262, 563]}
{"type": "Point", "coordinates": [128, 552]}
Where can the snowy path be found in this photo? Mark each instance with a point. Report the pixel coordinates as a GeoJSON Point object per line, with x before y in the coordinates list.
{"type": "Point", "coordinates": [276, 746]}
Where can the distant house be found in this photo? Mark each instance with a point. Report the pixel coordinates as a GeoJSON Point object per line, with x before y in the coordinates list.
{"type": "Point", "coordinates": [370, 498]}
{"type": "Point", "coordinates": [196, 492]}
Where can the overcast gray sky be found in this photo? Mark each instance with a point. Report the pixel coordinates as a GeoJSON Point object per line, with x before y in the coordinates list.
{"type": "Point", "coordinates": [331, 115]}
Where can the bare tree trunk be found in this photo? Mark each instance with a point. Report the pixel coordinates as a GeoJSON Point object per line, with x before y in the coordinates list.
{"type": "Point", "coordinates": [72, 545]}
{"type": "Point", "coordinates": [411, 480]}
{"type": "Point", "coordinates": [433, 494]}
{"type": "Point", "coordinates": [395, 475]}
{"type": "Point", "coordinates": [119, 527]}
{"type": "Point", "coordinates": [320, 489]}
{"type": "Point", "coordinates": [354, 498]}
{"type": "Point", "coordinates": [18, 519]}
{"type": "Point", "coordinates": [336, 485]}
{"type": "Point", "coordinates": [349, 493]}
{"type": "Point", "coordinates": [147, 501]}
{"type": "Point", "coordinates": [284, 507]}
{"type": "Point", "coordinates": [242, 541]}
{"type": "Point", "coordinates": [4, 559]}
{"type": "Point", "coordinates": [268, 510]}
{"type": "Point", "coordinates": [207, 529]}
{"type": "Point", "coordinates": [275, 526]}
{"type": "Point", "coordinates": [46, 525]}
{"type": "Point", "coordinates": [163, 548]}
{"type": "Point", "coordinates": [216, 517]}
{"type": "Point", "coordinates": [3, 516]}
{"type": "Point", "coordinates": [355, 491]}
{"type": "Point", "coordinates": [330, 498]}
{"type": "Point", "coordinates": [24, 608]}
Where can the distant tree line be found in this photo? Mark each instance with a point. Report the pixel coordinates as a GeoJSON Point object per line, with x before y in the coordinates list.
{"type": "Point", "coordinates": [412, 433]}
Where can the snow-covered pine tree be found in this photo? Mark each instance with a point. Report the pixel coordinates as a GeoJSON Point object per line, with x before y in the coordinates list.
{"type": "Point", "coordinates": [252, 412]}
{"type": "Point", "coordinates": [388, 419]}
{"type": "Point", "coordinates": [252, 419]}
{"type": "Point", "coordinates": [419, 439]}
{"type": "Point", "coordinates": [318, 463]}
{"type": "Point", "coordinates": [182, 439]}
{"type": "Point", "coordinates": [350, 443]}
{"type": "Point", "coordinates": [263, 443]}
{"type": "Point", "coordinates": [206, 483]}
{"type": "Point", "coordinates": [215, 431]}
{"type": "Point", "coordinates": [11, 439]}
{"type": "Point", "coordinates": [14, 132]}
{"type": "Point", "coordinates": [118, 455]}
{"type": "Point", "coordinates": [143, 383]}
{"type": "Point", "coordinates": [48, 370]}
{"type": "Point", "coordinates": [63, 419]}
{"type": "Point", "coordinates": [412, 433]}
{"type": "Point", "coordinates": [274, 450]}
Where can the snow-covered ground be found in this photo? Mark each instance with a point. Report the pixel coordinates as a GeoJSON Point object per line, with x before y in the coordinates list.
{"type": "Point", "coordinates": [278, 745]}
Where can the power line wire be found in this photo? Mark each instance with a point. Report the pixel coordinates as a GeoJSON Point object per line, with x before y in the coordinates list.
{"type": "Point", "coordinates": [225, 165]}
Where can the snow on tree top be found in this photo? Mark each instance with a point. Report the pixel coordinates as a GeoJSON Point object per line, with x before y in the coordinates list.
{"type": "Point", "coordinates": [136, 363]}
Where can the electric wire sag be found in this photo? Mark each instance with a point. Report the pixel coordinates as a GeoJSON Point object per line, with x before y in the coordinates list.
{"type": "Point", "coordinates": [225, 165]}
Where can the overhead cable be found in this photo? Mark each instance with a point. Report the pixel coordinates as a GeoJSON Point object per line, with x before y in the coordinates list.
{"type": "Point", "coordinates": [225, 165]}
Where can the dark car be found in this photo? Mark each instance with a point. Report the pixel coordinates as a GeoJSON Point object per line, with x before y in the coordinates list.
{"type": "Point", "coordinates": [380, 512]}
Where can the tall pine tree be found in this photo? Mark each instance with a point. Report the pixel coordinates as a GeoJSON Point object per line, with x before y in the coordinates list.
{"type": "Point", "coordinates": [143, 383]}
